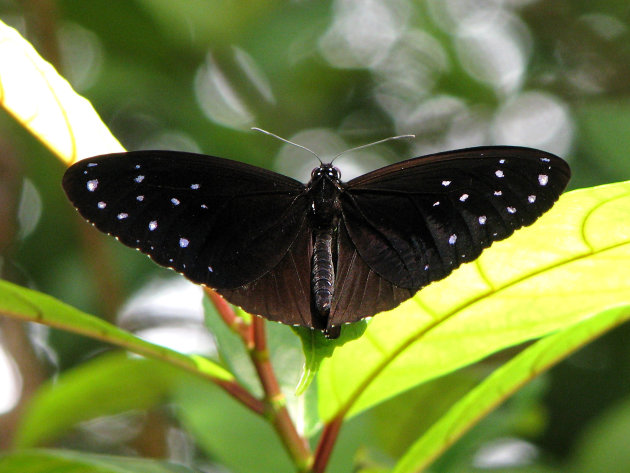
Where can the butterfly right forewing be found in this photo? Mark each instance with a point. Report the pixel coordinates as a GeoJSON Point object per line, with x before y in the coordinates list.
{"type": "Point", "coordinates": [414, 222]}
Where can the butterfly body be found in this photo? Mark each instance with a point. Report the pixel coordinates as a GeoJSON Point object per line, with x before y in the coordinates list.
{"type": "Point", "coordinates": [323, 253]}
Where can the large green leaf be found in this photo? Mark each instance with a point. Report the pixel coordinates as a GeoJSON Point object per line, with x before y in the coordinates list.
{"type": "Point", "coordinates": [110, 384]}
{"type": "Point", "coordinates": [570, 265]}
{"type": "Point", "coordinates": [61, 461]}
{"type": "Point", "coordinates": [503, 382]}
{"type": "Point", "coordinates": [26, 304]}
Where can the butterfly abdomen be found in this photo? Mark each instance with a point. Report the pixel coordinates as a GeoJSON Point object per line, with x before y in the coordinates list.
{"type": "Point", "coordinates": [323, 271]}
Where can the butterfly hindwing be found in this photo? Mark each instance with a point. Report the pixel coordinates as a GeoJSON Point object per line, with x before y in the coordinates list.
{"type": "Point", "coordinates": [283, 294]}
{"type": "Point", "coordinates": [415, 221]}
{"type": "Point", "coordinates": [219, 222]}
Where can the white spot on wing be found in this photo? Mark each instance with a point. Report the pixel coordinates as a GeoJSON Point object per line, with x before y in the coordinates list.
{"type": "Point", "coordinates": [210, 269]}
{"type": "Point", "coordinates": [102, 205]}
{"type": "Point", "coordinates": [175, 201]}
{"type": "Point", "coordinates": [137, 166]}
{"type": "Point", "coordinates": [499, 173]}
{"type": "Point", "coordinates": [452, 239]}
{"type": "Point", "coordinates": [194, 186]}
{"type": "Point", "coordinates": [498, 192]}
{"type": "Point", "coordinates": [543, 179]}
{"type": "Point", "coordinates": [482, 219]}
{"type": "Point", "coordinates": [92, 184]}
{"type": "Point", "coordinates": [122, 215]}
{"type": "Point", "coordinates": [446, 183]}
{"type": "Point", "coordinates": [436, 203]}
{"type": "Point", "coordinates": [463, 197]}
{"type": "Point", "coordinates": [92, 165]}
{"type": "Point", "coordinates": [139, 178]}
{"type": "Point", "coordinates": [545, 160]}
{"type": "Point", "coordinates": [153, 225]}
{"type": "Point", "coordinates": [204, 206]}
{"type": "Point", "coordinates": [501, 161]}
{"type": "Point", "coordinates": [139, 198]}
{"type": "Point", "coordinates": [531, 198]}
{"type": "Point", "coordinates": [183, 242]}
{"type": "Point", "coordinates": [511, 210]}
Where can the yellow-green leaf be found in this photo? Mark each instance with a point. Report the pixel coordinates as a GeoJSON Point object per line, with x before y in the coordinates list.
{"type": "Point", "coordinates": [44, 103]}
{"type": "Point", "coordinates": [502, 383]}
{"type": "Point", "coordinates": [570, 265]}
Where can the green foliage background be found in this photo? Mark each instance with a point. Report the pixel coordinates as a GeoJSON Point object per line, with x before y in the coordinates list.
{"type": "Point", "coordinates": [138, 62]}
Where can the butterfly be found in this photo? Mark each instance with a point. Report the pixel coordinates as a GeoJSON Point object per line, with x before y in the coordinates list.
{"type": "Point", "coordinates": [319, 254]}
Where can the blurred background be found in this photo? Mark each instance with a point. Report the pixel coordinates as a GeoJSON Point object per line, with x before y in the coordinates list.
{"type": "Point", "coordinates": [329, 74]}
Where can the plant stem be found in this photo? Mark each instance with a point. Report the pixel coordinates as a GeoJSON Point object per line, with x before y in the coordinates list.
{"type": "Point", "coordinates": [243, 329]}
{"type": "Point", "coordinates": [239, 393]}
{"type": "Point", "coordinates": [274, 405]}
{"type": "Point", "coordinates": [296, 445]}
{"type": "Point", "coordinates": [327, 443]}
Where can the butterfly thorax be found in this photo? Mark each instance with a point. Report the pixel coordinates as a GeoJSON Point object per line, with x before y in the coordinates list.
{"type": "Point", "coordinates": [324, 189]}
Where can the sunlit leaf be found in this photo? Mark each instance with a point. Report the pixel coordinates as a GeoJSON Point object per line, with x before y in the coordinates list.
{"type": "Point", "coordinates": [569, 266]}
{"type": "Point", "coordinates": [44, 103]}
{"type": "Point", "coordinates": [503, 382]}
{"type": "Point", "coordinates": [62, 461]}
{"type": "Point", "coordinates": [110, 384]}
{"type": "Point", "coordinates": [25, 304]}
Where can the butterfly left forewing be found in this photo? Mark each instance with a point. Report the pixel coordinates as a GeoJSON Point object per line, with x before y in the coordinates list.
{"type": "Point", "coordinates": [219, 222]}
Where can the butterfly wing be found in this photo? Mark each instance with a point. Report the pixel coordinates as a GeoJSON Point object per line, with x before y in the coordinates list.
{"type": "Point", "coordinates": [414, 222]}
{"type": "Point", "coordinates": [283, 294]}
{"type": "Point", "coordinates": [219, 222]}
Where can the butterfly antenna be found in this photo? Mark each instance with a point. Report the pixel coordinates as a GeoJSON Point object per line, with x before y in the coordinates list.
{"type": "Point", "coordinates": [289, 142]}
{"type": "Point", "coordinates": [374, 143]}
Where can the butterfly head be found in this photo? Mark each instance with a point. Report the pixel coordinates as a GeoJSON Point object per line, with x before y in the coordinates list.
{"type": "Point", "coordinates": [326, 170]}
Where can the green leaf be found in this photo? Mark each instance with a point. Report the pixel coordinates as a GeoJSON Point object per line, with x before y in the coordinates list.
{"type": "Point", "coordinates": [110, 384]}
{"type": "Point", "coordinates": [316, 347]}
{"type": "Point", "coordinates": [232, 353]}
{"type": "Point", "coordinates": [565, 268]}
{"type": "Point", "coordinates": [226, 430]}
{"type": "Point", "coordinates": [504, 382]}
{"type": "Point", "coordinates": [25, 304]}
{"type": "Point", "coordinates": [34, 93]}
{"type": "Point", "coordinates": [62, 461]}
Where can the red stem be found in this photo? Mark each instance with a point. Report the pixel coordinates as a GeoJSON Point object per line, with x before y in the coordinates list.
{"type": "Point", "coordinates": [296, 445]}
{"type": "Point", "coordinates": [241, 394]}
{"type": "Point", "coordinates": [243, 329]}
{"type": "Point", "coordinates": [274, 404]}
{"type": "Point", "coordinates": [327, 443]}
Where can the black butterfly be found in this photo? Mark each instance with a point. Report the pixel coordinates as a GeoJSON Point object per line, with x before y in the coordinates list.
{"type": "Point", "coordinates": [321, 254]}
